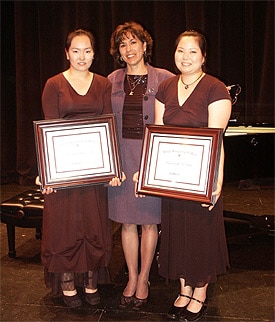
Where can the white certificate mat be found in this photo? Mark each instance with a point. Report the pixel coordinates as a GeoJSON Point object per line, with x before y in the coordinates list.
{"type": "Point", "coordinates": [78, 152]}
{"type": "Point", "coordinates": [181, 163]}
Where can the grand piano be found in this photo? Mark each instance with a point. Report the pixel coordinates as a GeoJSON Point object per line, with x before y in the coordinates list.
{"type": "Point", "coordinates": [249, 152]}
{"type": "Point", "coordinates": [248, 191]}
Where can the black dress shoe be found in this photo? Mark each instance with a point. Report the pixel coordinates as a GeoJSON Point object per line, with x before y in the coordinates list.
{"type": "Point", "coordinates": [72, 301]}
{"type": "Point", "coordinates": [92, 298]}
{"type": "Point", "coordinates": [126, 301]}
{"type": "Point", "coordinates": [175, 311]}
{"type": "Point", "coordinates": [190, 316]}
{"type": "Point", "coordinates": [139, 304]}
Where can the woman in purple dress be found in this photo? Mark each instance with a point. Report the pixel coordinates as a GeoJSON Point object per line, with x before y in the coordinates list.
{"type": "Point", "coordinates": [133, 93]}
{"type": "Point", "coordinates": [193, 244]}
{"type": "Point", "coordinates": [77, 237]}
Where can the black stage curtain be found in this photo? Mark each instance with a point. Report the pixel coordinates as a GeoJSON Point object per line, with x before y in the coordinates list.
{"type": "Point", "coordinates": [240, 39]}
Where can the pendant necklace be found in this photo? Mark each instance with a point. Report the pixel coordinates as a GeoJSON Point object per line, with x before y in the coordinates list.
{"type": "Point", "coordinates": [187, 85]}
{"type": "Point", "coordinates": [134, 84]}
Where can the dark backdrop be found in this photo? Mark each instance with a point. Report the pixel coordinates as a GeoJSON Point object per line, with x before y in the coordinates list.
{"type": "Point", "coordinates": [240, 50]}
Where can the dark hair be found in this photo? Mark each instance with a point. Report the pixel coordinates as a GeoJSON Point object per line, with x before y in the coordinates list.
{"type": "Point", "coordinates": [136, 30]}
{"type": "Point", "coordinates": [79, 32]}
{"type": "Point", "coordinates": [201, 40]}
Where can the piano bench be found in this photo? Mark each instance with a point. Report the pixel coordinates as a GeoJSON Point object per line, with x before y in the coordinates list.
{"type": "Point", "coordinates": [23, 210]}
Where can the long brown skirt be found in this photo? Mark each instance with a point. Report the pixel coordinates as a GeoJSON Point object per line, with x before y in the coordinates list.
{"type": "Point", "coordinates": [77, 235]}
{"type": "Point", "coordinates": [193, 243]}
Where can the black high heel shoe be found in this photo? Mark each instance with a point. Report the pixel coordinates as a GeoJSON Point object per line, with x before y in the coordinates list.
{"type": "Point", "coordinates": [72, 301]}
{"type": "Point", "coordinates": [191, 316]}
{"type": "Point", "coordinates": [126, 301]}
{"type": "Point", "coordinates": [67, 283]}
{"type": "Point", "coordinates": [92, 298]}
{"type": "Point", "coordinates": [176, 311]}
{"type": "Point", "coordinates": [139, 304]}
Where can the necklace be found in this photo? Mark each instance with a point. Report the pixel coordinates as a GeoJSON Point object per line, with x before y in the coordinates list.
{"type": "Point", "coordinates": [187, 85]}
{"type": "Point", "coordinates": [134, 84]}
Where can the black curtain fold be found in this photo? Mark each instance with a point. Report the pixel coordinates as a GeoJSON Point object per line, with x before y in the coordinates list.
{"type": "Point", "coordinates": [240, 37]}
{"type": "Point", "coordinates": [266, 79]}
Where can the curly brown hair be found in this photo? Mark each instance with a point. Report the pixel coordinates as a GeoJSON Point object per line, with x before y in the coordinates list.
{"type": "Point", "coordinates": [136, 30]}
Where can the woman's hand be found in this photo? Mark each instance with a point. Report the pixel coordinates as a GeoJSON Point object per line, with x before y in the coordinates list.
{"type": "Point", "coordinates": [135, 179]}
{"type": "Point", "coordinates": [37, 181]}
{"type": "Point", "coordinates": [44, 191]}
{"type": "Point", "coordinates": [216, 194]}
{"type": "Point", "coordinates": [48, 191]}
{"type": "Point", "coordinates": [116, 182]}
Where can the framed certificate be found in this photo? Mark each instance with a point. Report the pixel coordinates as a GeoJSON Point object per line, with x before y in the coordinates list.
{"type": "Point", "coordinates": [77, 152]}
{"type": "Point", "coordinates": [180, 162]}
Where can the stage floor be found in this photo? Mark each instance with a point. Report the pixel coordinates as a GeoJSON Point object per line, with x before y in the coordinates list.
{"type": "Point", "coordinates": [244, 293]}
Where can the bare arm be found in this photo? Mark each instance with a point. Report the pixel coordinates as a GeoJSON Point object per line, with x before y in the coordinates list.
{"type": "Point", "coordinates": [159, 111]}
{"type": "Point", "coordinates": [218, 116]}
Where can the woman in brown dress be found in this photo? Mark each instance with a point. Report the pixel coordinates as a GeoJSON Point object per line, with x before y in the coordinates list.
{"type": "Point", "coordinates": [193, 244]}
{"type": "Point", "coordinates": [76, 244]}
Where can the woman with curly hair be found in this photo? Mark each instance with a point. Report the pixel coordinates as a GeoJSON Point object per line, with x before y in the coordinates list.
{"type": "Point", "coordinates": [133, 94]}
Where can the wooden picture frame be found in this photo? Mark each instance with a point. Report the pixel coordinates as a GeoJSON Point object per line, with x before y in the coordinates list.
{"type": "Point", "coordinates": [180, 162]}
{"type": "Point", "coordinates": [77, 152]}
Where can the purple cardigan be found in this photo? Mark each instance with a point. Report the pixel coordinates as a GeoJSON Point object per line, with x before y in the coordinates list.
{"type": "Point", "coordinates": [155, 77]}
{"type": "Point", "coordinates": [124, 207]}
